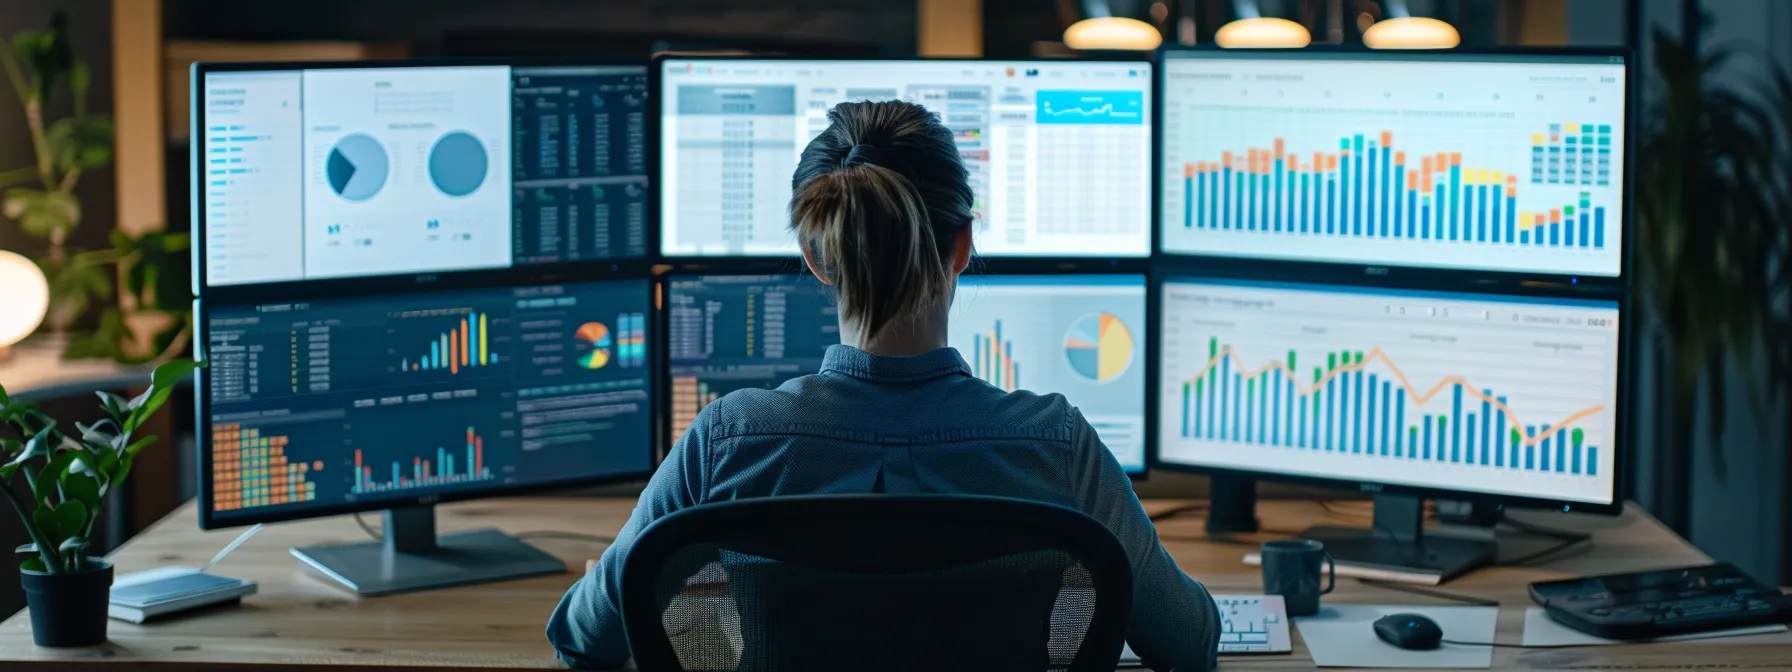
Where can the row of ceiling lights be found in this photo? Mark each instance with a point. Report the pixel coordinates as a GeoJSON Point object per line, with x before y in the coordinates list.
{"type": "Point", "coordinates": [1103, 32]}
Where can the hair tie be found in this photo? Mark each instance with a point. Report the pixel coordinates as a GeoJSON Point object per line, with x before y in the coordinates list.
{"type": "Point", "coordinates": [860, 154]}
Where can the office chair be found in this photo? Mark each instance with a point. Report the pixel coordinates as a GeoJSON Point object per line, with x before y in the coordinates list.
{"type": "Point", "coordinates": [876, 582]}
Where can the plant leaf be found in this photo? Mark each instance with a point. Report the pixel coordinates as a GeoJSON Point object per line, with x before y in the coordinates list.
{"type": "Point", "coordinates": [60, 523]}
{"type": "Point", "coordinates": [37, 446]}
{"type": "Point", "coordinates": [51, 477]}
{"type": "Point", "coordinates": [81, 487]}
{"type": "Point", "coordinates": [115, 405]}
{"type": "Point", "coordinates": [138, 447]}
{"type": "Point", "coordinates": [80, 142]}
{"type": "Point", "coordinates": [40, 212]}
{"type": "Point", "coordinates": [27, 548]}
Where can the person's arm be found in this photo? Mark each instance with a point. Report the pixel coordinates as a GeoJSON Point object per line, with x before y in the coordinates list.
{"type": "Point", "coordinates": [1174, 624]}
{"type": "Point", "coordinates": [586, 629]}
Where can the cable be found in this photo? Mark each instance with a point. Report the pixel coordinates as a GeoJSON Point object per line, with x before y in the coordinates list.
{"type": "Point", "coordinates": [368, 528]}
{"type": "Point", "coordinates": [1174, 511]}
{"type": "Point", "coordinates": [1492, 644]}
{"type": "Point", "coordinates": [1439, 594]}
{"type": "Point", "coordinates": [1542, 531]}
{"type": "Point", "coordinates": [1546, 552]}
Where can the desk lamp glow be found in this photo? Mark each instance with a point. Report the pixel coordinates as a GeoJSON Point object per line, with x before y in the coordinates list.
{"type": "Point", "coordinates": [1252, 30]}
{"type": "Point", "coordinates": [24, 298]}
{"type": "Point", "coordinates": [1402, 30]}
{"type": "Point", "coordinates": [1103, 31]}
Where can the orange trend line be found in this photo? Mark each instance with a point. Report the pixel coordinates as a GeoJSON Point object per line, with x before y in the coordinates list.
{"type": "Point", "coordinates": [1404, 384]}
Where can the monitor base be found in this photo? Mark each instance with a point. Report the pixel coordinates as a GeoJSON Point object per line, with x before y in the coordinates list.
{"type": "Point", "coordinates": [411, 557]}
{"type": "Point", "coordinates": [1432, 556]}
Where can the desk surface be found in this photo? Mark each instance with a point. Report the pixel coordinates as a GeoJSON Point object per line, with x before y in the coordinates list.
{"type": "Point", "coordinates": [298, 620]}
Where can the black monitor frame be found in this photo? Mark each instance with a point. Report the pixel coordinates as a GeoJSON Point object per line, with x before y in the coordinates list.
{"type": "Point", "coordinates": [1621, 407]}
{"type": "Point", "coordinates": [210, 520]}
{"type": "Point", "coordinates": [1415, 276]}
{"type": "Point", "coordinates": [547, 273]}
{"type": "Point", "coordinates": [656, 114]}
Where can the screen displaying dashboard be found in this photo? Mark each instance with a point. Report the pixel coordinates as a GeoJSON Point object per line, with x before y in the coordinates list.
{"type": "Point", "coordinates": [1502, 163]}
{"type": "Point", "coordinates": [1464, 392]}
{"type": "Point", "coordinates": [345, 172]}
{"type": "Point", "coordinates": [735, 332]}
{"type": "Point", "coordinates": [361, 400]}
{"type": "Point", "coordinates": [1059, 153]}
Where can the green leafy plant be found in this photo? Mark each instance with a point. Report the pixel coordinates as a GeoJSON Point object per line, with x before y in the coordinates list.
{"type": "Point", "coordinates": [41, 64]}
{"type": "Point", "coordinates": [1712, 200]}
{"type": "Point", "coordinates": [68, 475]}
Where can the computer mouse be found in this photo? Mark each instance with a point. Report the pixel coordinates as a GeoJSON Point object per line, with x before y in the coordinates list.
{"type": "Point", "coordinates": [1409, 631]}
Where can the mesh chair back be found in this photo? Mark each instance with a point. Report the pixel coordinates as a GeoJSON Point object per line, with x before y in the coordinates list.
{"type": "Point", "coordinates": [876, 582]}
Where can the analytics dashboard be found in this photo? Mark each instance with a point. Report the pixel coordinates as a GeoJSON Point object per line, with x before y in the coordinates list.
{"type": "Point", "coordinates": [350, 172]}
{"type": "Point", "coordinates": [1058, 152]}
{"type": "Point", "coordinates": [356, 400]}
{"type": "Point", "coordinates": [1478, 393]}
{"type": "Point", "coordinates": [1458, 161]}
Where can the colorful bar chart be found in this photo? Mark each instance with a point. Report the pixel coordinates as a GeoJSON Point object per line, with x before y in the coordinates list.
{"type": "Point", "coordinates": [1430, 389]}
{"type": "Point", "coordinates": [992, 359]}
{"type": "Point", "coordinates": [1573, 153]}
{"type": "Point", "coordinates": [631, 341]}
{"type": "Point", "coordinates": [1368, 189]}
{"type": "Point", "coordinates": [447, 466]}
{"type": "Point", "coordinates": [464, 346]}
{"type": "Point", "coordinates": [252, 469]}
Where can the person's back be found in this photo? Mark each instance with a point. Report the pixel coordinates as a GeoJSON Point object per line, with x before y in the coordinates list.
{"type": "Point", "coordinates": [883, 213]}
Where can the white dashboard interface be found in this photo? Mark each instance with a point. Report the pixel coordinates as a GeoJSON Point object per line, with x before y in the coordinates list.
{"type": "Point", "coordinates": [1059, 153]}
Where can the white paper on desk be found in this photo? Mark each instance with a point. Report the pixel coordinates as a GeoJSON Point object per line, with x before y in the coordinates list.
{"type": "Point", "coordinates": [1343, 635]}
{"type": "Point", "coordinates": [1541, 630]}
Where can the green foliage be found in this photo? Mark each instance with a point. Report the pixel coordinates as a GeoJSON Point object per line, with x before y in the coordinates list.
{"type": "Point", "coordinates": [80, 143]}
{"type": "Point", "coordinates": [39, 212]}
{"type": "Point", "coordinates": [1712, 200]}
{"type": "Point", "coordinates": [69, 475]}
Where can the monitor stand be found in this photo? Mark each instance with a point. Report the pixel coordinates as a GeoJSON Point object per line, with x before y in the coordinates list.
{"type": "Point", "coordinates": [1398, 547]}
{"type": "Point", "coordinates": [411, 557]}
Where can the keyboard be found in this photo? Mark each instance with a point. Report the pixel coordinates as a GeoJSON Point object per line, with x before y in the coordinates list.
{"type": "Point", "coordinates": [1253, 624]}
{"type": "Point", "coordinates": [1662, 603]}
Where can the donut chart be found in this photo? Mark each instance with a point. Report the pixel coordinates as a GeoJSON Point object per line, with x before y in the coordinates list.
{"type": "Point", "coordinates": [356, 167]}
{"type": "Point", "coordinates": [1099, 347]}
{"type": "Point", "coordinates": [594, 339]}
{"type": "Point", "coordinates": [457, 164]}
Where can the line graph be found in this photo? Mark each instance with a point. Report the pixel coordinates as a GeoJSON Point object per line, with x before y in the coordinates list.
{"type": "Point", "coordinates": [1090, 107]}
{"type": "Point", "coordinates": [1426, 388]}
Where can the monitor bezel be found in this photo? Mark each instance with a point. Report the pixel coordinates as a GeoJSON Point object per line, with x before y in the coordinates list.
{"type": "Point", "coordinates": [977, 268]}
{"type": "Point", "coordinates": [1621, 407]}
{"type": "Point", "coordinates": [397, 282]}
{"type": "Point", "coordinates": [656, 80]}
{"type": "Point", "coordinates": [1347, 271]}
{"type": "Point", "coordinates": [211, 520]}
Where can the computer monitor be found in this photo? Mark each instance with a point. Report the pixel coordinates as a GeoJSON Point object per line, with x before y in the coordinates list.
{"type": "Point", "coordinates": [315, 171]}
{"type": "Point", "coordinates": [332, 406]}
{"type": "Point", "coordinates": [1402, 393]}
{"type": "Point", "coordinates": [1059, 152]}
{"type": "Point", "coordinates": [1510, 162]}
{"type": "Point", "coordinates": [1082, 336]}
{"type": "Point", "coordinates": [729, 332]}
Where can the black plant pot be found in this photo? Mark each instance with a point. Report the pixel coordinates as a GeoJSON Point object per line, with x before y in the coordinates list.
{"type": "Point", "coordinates": [69, 609]}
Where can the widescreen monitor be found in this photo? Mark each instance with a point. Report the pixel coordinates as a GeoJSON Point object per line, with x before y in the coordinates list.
{"type": "Point", "coordinates": [307, 172]}
{"type": "Point", "coordinates": [1489, 162]}
{"type": "Point", "coordinates": [1489, 396]}
{"type": "Point", "coordinates": [1079, 335]}
{"type": "Point", "coordinates": [1058, 152]}
{"type": "Point", "coordinates": [329, 406]}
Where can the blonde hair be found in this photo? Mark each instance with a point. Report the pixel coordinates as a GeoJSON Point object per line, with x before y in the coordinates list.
{"type": "Point", "coordinates": [879, 197]}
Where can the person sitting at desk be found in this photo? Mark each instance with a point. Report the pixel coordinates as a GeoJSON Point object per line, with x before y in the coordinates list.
{"type": "Point", "coordinates": [882, 212]}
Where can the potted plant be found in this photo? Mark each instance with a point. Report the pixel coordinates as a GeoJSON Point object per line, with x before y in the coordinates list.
{"type": "Point", "coordinates": [67, 477]}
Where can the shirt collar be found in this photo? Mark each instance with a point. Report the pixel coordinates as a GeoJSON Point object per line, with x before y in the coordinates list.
{"type": "Point", "coordinates": [857, 363]}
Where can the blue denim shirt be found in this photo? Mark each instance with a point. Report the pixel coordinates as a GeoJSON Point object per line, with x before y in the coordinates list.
{"type": "Point", "coordinates": [926, 426]}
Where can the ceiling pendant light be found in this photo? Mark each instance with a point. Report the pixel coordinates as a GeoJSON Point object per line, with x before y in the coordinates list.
{"type": "Point", "coordinates": [1252, 30]}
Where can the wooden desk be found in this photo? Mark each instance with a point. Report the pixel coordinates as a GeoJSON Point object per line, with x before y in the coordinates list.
{"type": "Point", "coordinates": [298, 620]}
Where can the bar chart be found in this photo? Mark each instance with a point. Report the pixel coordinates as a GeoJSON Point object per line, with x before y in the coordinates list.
{"type": "Point", "coordinates": [439, 468]}
{"type": "Point", "coordinates": [992, 359]}
{"type": "Point", "coordinates": [1423, 388]}
{"type": "Point", "coordinates": [252, 469]}
{"type": "Point", "coordinates": [464, 346]}
{"type": "Point", "coordinates": [1447, 166]}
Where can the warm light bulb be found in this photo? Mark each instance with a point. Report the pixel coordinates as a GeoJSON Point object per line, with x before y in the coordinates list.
{"type": "Point", "coordinates": [1112, 33]}
{"type": "Point", "coordinates": [24, 298]}
{"type": "Point", "coordinates": [1411, 32]}
{"type": "Point", "coordinates": [1263, 32]}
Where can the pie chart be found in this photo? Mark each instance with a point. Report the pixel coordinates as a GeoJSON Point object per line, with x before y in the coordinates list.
{"type": "Point", "coordinates": [356, 167]}
{"type": "Point", "coordinates": [1099, 347]}
{"type": "Point", "coordinates": [457, 163]}
{"type": "Point", "coordinates": [594, 339]}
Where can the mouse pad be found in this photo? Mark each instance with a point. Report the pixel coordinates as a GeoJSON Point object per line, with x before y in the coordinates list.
{"type": "Point", "coordinates": [1343, 635]}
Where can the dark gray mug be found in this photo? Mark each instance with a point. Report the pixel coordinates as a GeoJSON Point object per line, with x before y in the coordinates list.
{"type": "Point", "coordinates": [1291, 568]}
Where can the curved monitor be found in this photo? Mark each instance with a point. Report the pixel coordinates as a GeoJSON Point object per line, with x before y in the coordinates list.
{"type": "Point", "coordinates": [1490, 162]}
{"type": "Point", "coordinates": [319, 171]}
{"type": "Point", "coordinates": [1059, 152]}
{"type": "Point", "coordinates": [315, 408]}
{"type": "Point", "coordinates": [1510, 397]}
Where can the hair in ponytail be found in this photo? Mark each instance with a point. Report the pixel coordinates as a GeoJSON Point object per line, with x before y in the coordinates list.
{"type": "Point", "coordinates": [879, 197]}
